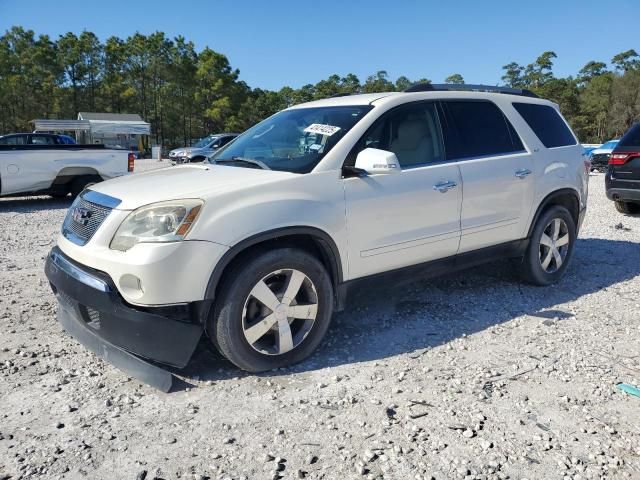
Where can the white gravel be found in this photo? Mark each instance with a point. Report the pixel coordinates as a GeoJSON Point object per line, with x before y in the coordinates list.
{"type": "Point", "coordinates": [470, 376]}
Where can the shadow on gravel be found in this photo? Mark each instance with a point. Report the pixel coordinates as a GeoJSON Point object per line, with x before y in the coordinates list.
{"type": "Point", "coordinates": [388, 320]}
{"type": "Point", "coordinates": [33, 204]}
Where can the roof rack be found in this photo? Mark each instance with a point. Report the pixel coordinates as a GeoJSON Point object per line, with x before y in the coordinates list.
{"type": "Point", "coordinates": [342, 94]}
{"type": "Point", "coordinates": [444, 87]}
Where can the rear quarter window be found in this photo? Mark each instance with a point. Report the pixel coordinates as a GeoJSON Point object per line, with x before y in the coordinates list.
{"type": "Point", "coordinates": [631, 138]}
{"type": "Point", "coordinates": [477, 128]}
{"type": "Point", "coordinates": [546, 123]}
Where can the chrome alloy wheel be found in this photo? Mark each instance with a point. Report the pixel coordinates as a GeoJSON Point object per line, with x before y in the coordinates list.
{"type": "Point", "coordinates": [554, 245]}
{"type": "Point", "coordinates": [279, 312]}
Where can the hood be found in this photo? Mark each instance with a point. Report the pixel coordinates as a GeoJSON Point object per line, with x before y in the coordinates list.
{"type": "Point", "coordinates": [188, 181]}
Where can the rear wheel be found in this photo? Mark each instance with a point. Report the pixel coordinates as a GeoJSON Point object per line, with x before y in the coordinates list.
{"type": "Point", "coordinates": [273, 310]}
{"type": "Point", "coordinates": [550, 247]}
{"type": "Point", "coordinates": [80, 183]}
{"type": "Point", "coordinates": [628, 208]}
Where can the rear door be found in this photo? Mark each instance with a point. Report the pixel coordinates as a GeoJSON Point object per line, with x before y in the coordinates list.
{"type": "Point", "coordinates": [496, 171]}
{"type": "Point", "coordinates": [406, 218]}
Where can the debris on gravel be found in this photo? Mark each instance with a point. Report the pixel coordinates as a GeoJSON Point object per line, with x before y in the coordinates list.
{"type": "Point", "coordinates": [470, 376]}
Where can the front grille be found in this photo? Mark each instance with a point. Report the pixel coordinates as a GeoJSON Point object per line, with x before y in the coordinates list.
{"type": "Point", "coordinates": [83, 220]}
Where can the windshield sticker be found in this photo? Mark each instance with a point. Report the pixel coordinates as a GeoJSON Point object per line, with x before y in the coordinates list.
{"type": "Point", "coordinates": [327, 130]}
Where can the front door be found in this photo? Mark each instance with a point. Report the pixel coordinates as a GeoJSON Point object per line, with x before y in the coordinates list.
{"type": "Point", "coordinates": [411, 217]}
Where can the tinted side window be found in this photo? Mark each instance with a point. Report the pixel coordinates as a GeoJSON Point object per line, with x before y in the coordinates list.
{"type": "Point", "coordinates": [226, 140]}
{"type": "Point", "coordinates": [476, 129]}
{"type": "Point", "coordinates": [546, 124]}
{"type": "Point", "coordinates": [631, 138]}
{"type": "Point", "coordinates": [412, 132]}
{"type": "Point", "coordinates": [41, 140]}
{"type": "Point", "coordinates": [16, 140]}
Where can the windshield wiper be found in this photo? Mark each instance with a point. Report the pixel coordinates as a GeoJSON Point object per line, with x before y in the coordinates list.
{"type": "Point", "coordinates": [250, 161]}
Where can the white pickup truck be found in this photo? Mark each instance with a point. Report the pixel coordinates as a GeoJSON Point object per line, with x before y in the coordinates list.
{"type": "Point", "coordinates": [58, 170]}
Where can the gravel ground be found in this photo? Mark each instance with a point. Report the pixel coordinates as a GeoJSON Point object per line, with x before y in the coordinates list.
{"type": "Point", "coordinates": [468, 376]}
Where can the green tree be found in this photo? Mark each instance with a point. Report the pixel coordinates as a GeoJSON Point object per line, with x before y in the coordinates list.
{"type": "Point", "coordinates": [513, 74]}
{"type": "Point", "coordinates": [402, 83]}
{"type": "Point", "coordinates": [625, 102]}
{"type": "Point", "coordinates": [591, 70]}
{"type": "Point", "coordinates": [540, 71]}
{"type": "Point", "coordinates": [592, 123]}
{"type": "Point", "coordinates": [217, 90]}
{"type": "Point", "coordinates": [456, 79]}
{"type": "Point", "coordinates": [378, 83]}
{"type": "Point", "coordinates": [626, 61]}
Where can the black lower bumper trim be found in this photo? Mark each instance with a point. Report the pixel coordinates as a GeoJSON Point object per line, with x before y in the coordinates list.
{"type": "Point", "coordinates": [125, 361]}
{"type": "Point", "coordinates": [624, 194]}
{"type": "Point", "coordinates": [92, 311]}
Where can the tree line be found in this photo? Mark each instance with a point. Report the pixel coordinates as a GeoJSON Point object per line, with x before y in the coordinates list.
{"type": "Point", "coordinates": [184, 93]}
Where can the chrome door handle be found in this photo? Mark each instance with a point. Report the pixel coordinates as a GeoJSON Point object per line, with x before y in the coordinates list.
{"type": "Point", "coordinates": [523, 173]}
{"type": "Point", "coordinates": [443, 187]}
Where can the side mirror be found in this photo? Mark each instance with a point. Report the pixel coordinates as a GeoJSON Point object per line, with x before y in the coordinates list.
{"type": "Point", "coordinates": [377, 162]}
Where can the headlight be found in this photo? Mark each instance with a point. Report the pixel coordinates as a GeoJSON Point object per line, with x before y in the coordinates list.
{"type": "Point", "coordinates": [157, 223]}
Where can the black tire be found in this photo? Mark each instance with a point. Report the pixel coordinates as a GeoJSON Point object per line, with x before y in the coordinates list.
{"type": "Point", "coordinates": [226, 322]}
{"type": "Point", "coordinates": [80, 183]}
{"type": "Point", "coordinates": [532, 270]}
{"type": "Point", "coordinates": [628, 208]}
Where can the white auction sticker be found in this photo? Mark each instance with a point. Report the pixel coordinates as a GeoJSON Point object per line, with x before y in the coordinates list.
{"type": "Point", "coordinates": [322, 129]}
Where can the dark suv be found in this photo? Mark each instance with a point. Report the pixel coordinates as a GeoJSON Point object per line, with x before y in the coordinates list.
{"type": "Point", "coordinates": [623, 174]}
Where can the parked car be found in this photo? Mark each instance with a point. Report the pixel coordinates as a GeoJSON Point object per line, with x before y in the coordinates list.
{"type": "Point", "coordinates": [36, 139]}
{"type": "Point", "coordinates": [202, 149]}
{"type": "Point", "coordinates": [58, 169]}
{"type": "Point", "coordinates": [600, 156]}
{"type": "Point", "coordinates": [622, 181]}
{"type": "Point", "coordinates": [259, 248]}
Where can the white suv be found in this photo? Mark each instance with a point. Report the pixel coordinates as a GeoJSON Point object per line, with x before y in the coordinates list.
{"type": "Point", "coordinates": [258, 248]}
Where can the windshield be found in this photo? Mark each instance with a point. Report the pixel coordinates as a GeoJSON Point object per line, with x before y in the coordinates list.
{"type": "Point", "coordinates": [292, 140]}
{"type": "Point", "coordinates": [204, 142]}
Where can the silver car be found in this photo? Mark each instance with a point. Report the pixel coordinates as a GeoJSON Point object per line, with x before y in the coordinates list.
{"type": "Point", "coordinates": [204, 148]}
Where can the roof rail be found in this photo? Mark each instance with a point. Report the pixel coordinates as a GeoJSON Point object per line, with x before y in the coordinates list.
{"type": "Point", "coordinates": [444, 87]}
{"type": "Point", "coordinates": [341, 94]}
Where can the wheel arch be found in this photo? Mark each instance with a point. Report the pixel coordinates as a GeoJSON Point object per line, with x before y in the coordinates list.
{"type": "Point", "coordinates": [565, 197]}
{"type": "Point", "coordinates": [67, 174]}
{"type": "Point", "coordinates": [311, 239]}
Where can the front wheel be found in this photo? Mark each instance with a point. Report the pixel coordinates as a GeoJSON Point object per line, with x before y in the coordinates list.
{"type": "Point", "coordinates": [550, 247]}
{"type": "Point", "coordinates": [273, 310]}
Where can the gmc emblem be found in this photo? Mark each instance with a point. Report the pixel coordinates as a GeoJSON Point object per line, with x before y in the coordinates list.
{"type": "Point", "coordinates": [81, 216]}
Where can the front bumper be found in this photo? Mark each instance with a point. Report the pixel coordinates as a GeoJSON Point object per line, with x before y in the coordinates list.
{"type": "Point", "coordinates": [92, 311]}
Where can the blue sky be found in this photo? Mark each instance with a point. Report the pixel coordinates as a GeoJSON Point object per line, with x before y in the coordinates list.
{"type": "Point", "coordinates": [294, 42]}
